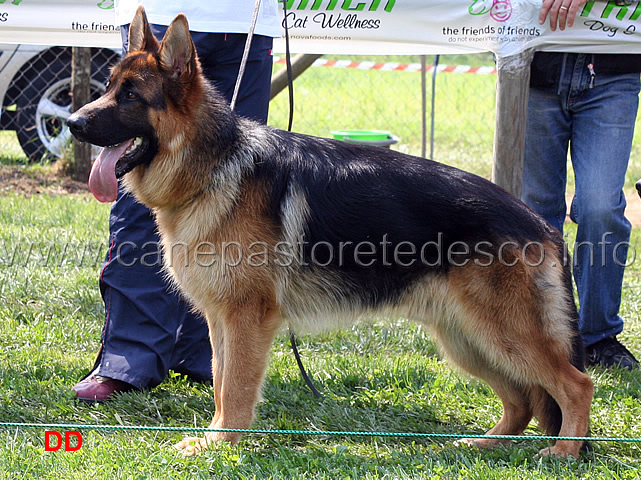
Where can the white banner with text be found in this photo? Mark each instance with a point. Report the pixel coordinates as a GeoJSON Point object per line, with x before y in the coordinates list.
{"type": "Point", "coordinates": [381, 27]}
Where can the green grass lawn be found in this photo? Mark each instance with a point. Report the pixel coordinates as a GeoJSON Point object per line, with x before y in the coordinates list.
{"type": "Point", "coordinates": [375, 377]}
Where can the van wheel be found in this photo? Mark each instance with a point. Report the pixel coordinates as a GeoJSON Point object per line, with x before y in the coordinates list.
{"type": "Point", "coordinates": [41, 117]}
{"type": "Point", "coordinates": [41, 93]}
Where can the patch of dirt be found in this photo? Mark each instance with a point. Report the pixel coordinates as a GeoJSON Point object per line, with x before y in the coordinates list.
{"type": "Point", "coordinates": [633, 210]}
{"type": "Point", "coordinates": [36, 180]}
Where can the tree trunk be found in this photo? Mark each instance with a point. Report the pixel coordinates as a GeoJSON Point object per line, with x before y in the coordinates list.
{"type": "Point", "coordinates": [80, 165]}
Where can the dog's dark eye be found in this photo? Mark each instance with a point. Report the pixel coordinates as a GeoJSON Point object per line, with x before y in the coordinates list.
{"type": "Point", "coordinates": [131, 95]}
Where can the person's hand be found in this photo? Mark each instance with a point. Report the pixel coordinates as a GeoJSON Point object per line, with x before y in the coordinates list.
{"type": "Point", "coordinates": [562, 12]}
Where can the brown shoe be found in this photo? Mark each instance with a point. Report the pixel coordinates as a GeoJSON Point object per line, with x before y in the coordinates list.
{"type": "Point", "coordinates": [96, 388]}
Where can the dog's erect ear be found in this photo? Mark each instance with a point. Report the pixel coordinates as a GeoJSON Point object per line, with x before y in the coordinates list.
{"type": "Point", "coordinates": [140, 35]}
{"type": "Point", "coordinates": [177, 51]}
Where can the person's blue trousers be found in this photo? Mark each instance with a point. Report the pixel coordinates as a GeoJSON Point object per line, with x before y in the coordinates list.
{"type": "Point", "coordinates": [596, 122]}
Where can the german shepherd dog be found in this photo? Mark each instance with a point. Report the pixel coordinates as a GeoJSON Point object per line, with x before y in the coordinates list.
{"type": "Point", "coordinates": [261, 228]}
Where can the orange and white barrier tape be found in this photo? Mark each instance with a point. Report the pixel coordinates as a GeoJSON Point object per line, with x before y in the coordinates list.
{"type": "Point", "coordinates": [398, 67]}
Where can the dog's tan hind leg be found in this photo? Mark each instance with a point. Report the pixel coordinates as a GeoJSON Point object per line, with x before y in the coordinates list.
{"type": "Point", "coordinates": [516, 415]}
{"type": "Point", "coordinates": [573, 391]}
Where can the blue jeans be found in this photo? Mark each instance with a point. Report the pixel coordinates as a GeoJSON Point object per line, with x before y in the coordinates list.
{"type": "Point", "coordinates": [149, 329]}
{"type": "Point", "coordinates": [597, 125]}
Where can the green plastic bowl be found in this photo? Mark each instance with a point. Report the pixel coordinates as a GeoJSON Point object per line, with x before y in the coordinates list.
{"type": "Point", "coordinates": [366, 137]}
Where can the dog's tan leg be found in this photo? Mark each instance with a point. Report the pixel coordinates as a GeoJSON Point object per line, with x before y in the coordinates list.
{"type": "Point", "coordinates": [549, 372]}
{"type": "Point", "coordinates": [192, 445]}
{"type": "Point", "coordinates": [247, 335]}
{"type": "Point", "coordinates": [217, 339]}
{"type": "Point", "coordinates": [516, 415]}
{"type": "Point", "coordinates": [524, 333]}
{"type": "Point", "coordinates": [573, 391]}
{"type": "Point", "coordinates": [517, 411]}
{"type": "Point", "coordinates": [569, 387]}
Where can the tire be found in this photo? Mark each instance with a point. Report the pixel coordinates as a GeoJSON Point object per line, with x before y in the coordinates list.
{"type": "Point", "coordinates": [45, 103]}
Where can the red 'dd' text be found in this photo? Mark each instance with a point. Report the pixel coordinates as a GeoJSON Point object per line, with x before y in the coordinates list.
{"type": "Point", "coordinates": [54, 441]}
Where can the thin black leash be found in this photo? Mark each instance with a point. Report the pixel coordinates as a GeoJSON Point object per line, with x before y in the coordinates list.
{"type": "Point", "coordinates": [288, 63]}
{"type": "Point", "coordinates": [303, 372]}
{"type": "Point", "coordinates": [290, 89]}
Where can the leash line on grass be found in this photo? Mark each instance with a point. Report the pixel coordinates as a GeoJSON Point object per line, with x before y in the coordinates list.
{"type": "Point", "coordinates": [321, 433]}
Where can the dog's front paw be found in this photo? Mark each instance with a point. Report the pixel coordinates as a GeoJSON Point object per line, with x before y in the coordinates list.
{"type": "Point", "coordinates": [191, 446]}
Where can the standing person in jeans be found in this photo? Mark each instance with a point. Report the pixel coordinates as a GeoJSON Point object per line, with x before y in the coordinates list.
{"type": "Point", "coordinates": [149, 329]}
{"type": "Point", "coordinates": [587, 103]}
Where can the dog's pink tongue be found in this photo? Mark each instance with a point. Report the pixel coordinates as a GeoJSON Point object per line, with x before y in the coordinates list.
{"type": "Point", "coordinates": [102, 179]}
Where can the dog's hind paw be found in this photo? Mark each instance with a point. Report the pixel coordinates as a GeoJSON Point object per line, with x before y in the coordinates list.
{"type": "Point", "coordinates": [480, 442]}
{"type": "Point", "coordinates": [560, 451]}
{"type": "Point", "coordinates": [192, 446]}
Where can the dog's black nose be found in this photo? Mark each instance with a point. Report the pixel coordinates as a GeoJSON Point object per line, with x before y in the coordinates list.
{"type": "Point", "coordinates": [638, 187]}
{"type": "Point", "coordinates": [77, 125]}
